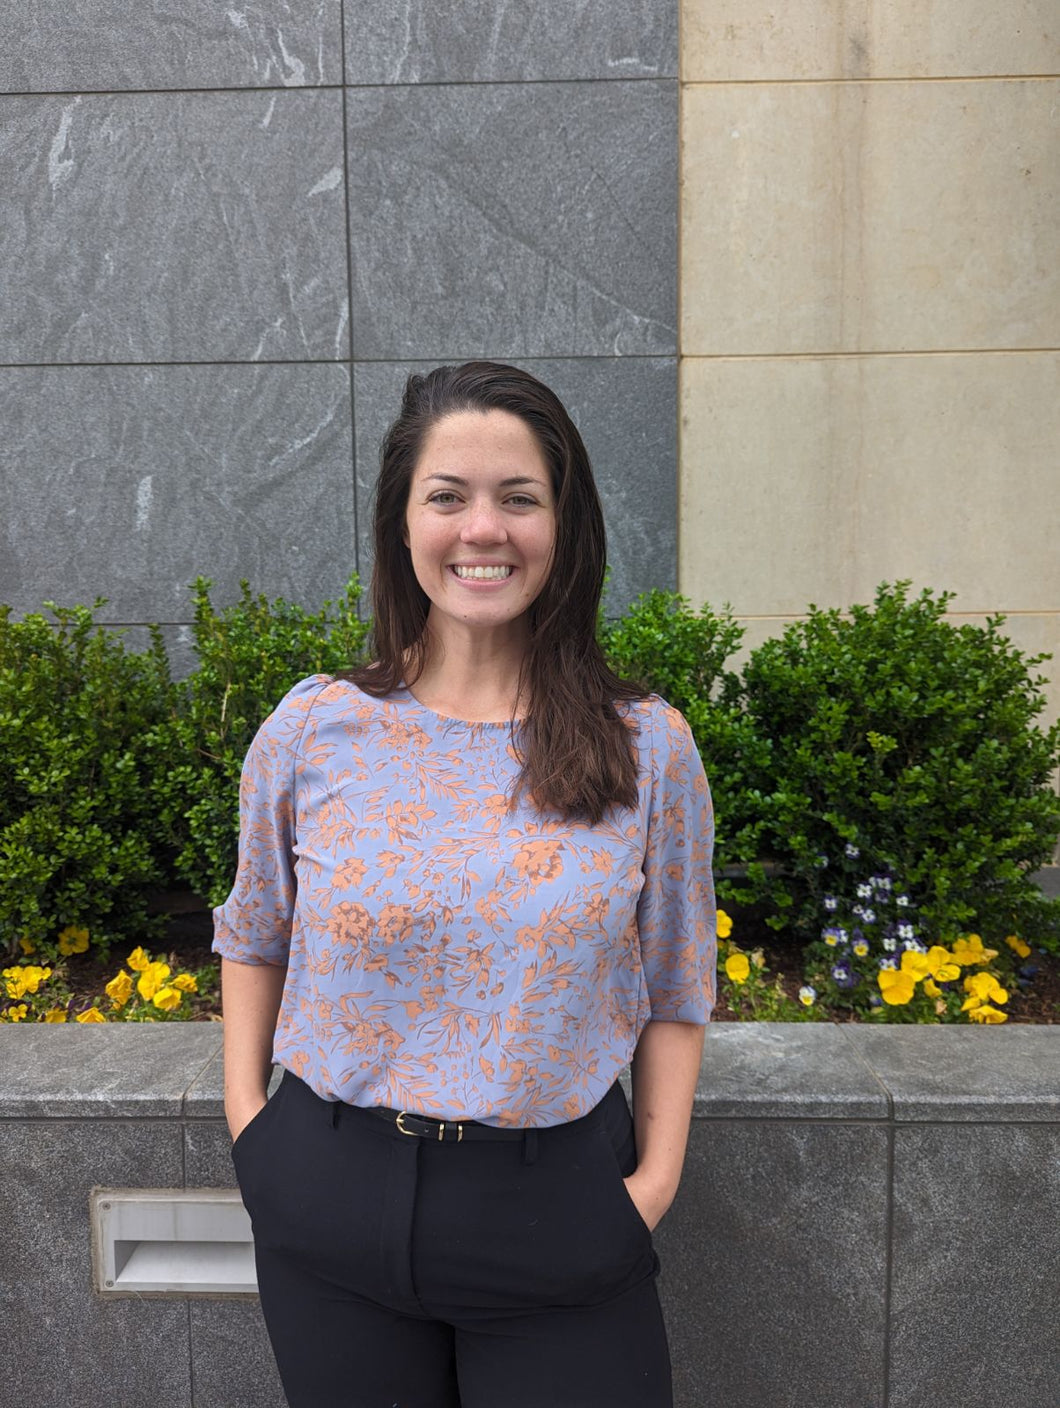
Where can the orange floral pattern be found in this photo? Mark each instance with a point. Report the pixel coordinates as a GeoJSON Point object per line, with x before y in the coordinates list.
{"type": "Point", "coordinates": [448, 952]}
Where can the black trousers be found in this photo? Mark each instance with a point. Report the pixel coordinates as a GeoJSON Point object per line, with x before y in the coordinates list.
{"type": "Point", "coordinates": [399, 1272]}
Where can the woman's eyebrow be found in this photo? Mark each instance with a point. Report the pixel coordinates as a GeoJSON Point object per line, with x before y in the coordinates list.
{"type": "Point", "coordinates": [504, 484]}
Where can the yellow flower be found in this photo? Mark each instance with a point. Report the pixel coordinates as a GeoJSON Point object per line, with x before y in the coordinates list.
{"type": "Point", "coordinates": [73, 940]}
{"type": "Point", "coordinates": [915, 964]}
{"type": "Point", "coordinates": [986, 1013]}
{"type": "Point", "coordinates": [166, 999]}
{"type": "Point", "coordinates": [138, 960]}
{"type": "Point", "coordinates": [92, 1015]}
{"type": "Point", "coordinates": [986, 987]}
{"type": "Point", "coordinates": [724, 925]}
{"type": "Point", "coordinates": [28, 946]}
{"type": "Point", "coordinates": [57, 1014]}
{"type": "Point", "coordinates": [186, 982]}
{"type": "Point", "coordinates": [16, 1014]}
{"type": "Point", "coordinates": [26, 978]}
{"type": "Point", "coordinates": [941, 964]}
{"type": "Point", "coordinates": [151, 979]}
{"type": "Point", "coordinates": [1016, 943]}
{"type": "Point", "coordinates": [119, 989]}
{"type": "Point", "coordinates": [737, 967]}
{"type": "Point", "coordinates": [969, 951]}
{"type": "Point", "coordinates": [896, 987]}
{"type": "Point", "coordinates": [933, 990]}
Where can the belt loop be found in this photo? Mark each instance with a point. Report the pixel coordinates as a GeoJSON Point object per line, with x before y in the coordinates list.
{"type": "Point", "coordinates": [530, 1146]}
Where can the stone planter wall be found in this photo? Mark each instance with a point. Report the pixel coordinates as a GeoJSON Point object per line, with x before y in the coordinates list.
{"type": "Point", "coordinates": [868, 1220]}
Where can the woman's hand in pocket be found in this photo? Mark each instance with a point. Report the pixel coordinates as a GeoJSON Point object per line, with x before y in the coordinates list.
{"type": "Point", "coordinates": [239, 1112]}
{"type": "Point", "coordinates": [650, 1199]}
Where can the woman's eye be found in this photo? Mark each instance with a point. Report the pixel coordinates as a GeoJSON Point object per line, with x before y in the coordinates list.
{"type": "Point", "coordinates": [443, 496]}
{"type": "Point", "coordinates": [522, 501]}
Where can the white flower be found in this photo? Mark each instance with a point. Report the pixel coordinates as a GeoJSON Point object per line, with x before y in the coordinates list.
{"type": "Point", "coordinates": [859, 911]}
{"type": "Point", "coordinates": [901, 901]}
{"type": "Point", "coordinates": [888, 962]}
{"type": "Point", "coordinates": [869, 916]}
{"type": "Point", "coordinates": [906, 931]}
{"type": "Point", "coordinates": [890, 945]}
{"type": "Point", "coordinates": [807, 995]}
{"type": "Point", "coordinates": [851, 851]}
{"type": "Point", "coordinates": [864, 892]}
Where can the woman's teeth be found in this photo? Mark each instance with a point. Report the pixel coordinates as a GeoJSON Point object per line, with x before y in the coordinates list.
{"type": "Point", "coordinates": [483, 574]}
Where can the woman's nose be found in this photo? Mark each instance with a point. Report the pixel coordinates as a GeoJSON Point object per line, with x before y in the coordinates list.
{"type": "Point", "coordinates": [483, 524]}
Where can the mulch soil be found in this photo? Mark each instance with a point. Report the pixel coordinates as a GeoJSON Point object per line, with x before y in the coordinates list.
{"type": "Point", "coordinates": [186, 945]}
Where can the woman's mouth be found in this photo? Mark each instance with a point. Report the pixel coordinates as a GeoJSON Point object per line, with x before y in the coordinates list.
{"type": "Point", "coordinates": [482, 574]}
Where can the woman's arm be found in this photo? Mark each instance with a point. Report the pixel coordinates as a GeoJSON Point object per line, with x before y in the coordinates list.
{"type": "Point", "coordinates": [250, 1003]}
{"type": "Point", "coordinates": [665, 1071]}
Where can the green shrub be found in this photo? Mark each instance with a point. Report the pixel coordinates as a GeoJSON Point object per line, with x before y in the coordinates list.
{"type": "Point", "coordinates": [77, 838]}
{"type": "Point", "coordinates": [250, 654]}
{"type": "Point", "coordinates": [901, 745]}
{"type": "Point", "coordinates": [679, 653]}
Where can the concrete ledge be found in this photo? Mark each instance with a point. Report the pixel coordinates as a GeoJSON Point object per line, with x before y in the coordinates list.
{"type": "Point", "coordinates": [826, 1248]}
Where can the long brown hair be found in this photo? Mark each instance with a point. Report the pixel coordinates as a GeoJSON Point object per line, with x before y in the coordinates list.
{"type": "Point", "coordinates": [576, 750]}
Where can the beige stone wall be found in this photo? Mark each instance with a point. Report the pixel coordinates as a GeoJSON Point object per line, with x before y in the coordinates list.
{"type": "Point", "coordinates": [870, 307]}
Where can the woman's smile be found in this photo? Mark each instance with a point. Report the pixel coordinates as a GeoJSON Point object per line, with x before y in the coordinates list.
{"type": "Point", "coordinates": [481, 523]}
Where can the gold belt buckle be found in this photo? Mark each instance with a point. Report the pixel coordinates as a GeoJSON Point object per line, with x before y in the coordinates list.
{"type": "Point", "coordinates": [441, 1129]}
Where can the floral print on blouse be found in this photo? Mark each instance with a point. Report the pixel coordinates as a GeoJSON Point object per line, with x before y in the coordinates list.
{"type": "Point", "coordinates": [449, 953]}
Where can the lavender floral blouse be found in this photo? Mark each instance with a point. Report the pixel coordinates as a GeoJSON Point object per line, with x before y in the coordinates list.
{"type": "Point", "coordinates": [447, 953]}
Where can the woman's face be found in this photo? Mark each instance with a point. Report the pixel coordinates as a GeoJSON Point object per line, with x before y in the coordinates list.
{"type": "Point", "coordinates": [480, 523]}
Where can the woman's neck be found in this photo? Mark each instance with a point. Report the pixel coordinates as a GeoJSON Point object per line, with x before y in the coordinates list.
{"type": "Point", "coordinates": [474, 677]}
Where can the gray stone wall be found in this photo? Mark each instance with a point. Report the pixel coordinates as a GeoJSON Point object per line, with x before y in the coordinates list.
{"type": "Point", "coordinates": [229, 232]}
{"type": "Point", "coordinates": [868, 1219]}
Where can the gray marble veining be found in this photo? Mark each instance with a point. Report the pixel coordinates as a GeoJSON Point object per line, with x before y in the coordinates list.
{"type": "Point", "coordinates": [141, 1070]}
{"type": "Point", "coordinates": [53, 46]}
{"type": "Point", "coordinates": [778, 1070]}
{"type": "Point", "coordinates": [231, 1358]}
{"type": "Point", "coordinates": [173, 227]}
{"type": "Point", "coordinates": [63, 1344]}
{"type": "Point", "coordinates": [517, 220]}
{"type": "Point", "coordinates": [625, 409]}
{"type": "Point", "coordinates": [975, 1301]}
{"type": "Point", "coordinates": [774, 1258]}
{"type": "Point", "coordinates": [420, 41]}
{"type": "Point", "coordinates": [962, 1073]}
{"type": "Point", "coordinates": [128, 482]}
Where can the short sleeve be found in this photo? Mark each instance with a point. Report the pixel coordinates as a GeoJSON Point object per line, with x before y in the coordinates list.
{"type": "Point", "coordinates": [676, 914]}
{"type": "Point", "coordinates": [254, 923]}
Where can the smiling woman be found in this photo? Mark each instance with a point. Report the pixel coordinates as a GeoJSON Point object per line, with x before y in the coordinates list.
{"type": "Point", "coordinates": [474, 883]}
{"type": "Point", "coordinates": [480, 529]}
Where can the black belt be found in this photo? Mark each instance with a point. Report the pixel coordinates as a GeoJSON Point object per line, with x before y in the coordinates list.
{"type": "Point", "coordinates": [443, 1131]}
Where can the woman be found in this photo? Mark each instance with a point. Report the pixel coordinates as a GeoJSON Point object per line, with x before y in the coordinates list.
{"type": "Point", "coordinates": [474, 882]}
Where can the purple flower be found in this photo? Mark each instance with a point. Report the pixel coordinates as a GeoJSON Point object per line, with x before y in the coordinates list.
{"type": "Point", "coordinates": [881, 882]}
{"type": "Point", "coordinates": [830, 902]}
{"type": "Point", "coordinates": [843, 975]}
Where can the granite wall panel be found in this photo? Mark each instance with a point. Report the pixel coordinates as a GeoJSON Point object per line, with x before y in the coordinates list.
{"type": "Point", "coordinates": [232, 1364]}
{"type": "Point", "coordinates": [476, 41]}
{"type": "Point", "coordinates": [513, 220]}
{"type": "Point", "coordinates": [626, 410]}
{"type": "Point", "coordinates": [127, 482]}
{"type": "Point", "coordinates": [173, 227]}
{"type": "Point", "coordinates": [977, 1210]}
{"type": "Point", "coordinates": [774, 1265]}
{"type": "Point", "coordinates": [58, 46]}
{"type": "Point", "coordinates": [73, 1347]}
